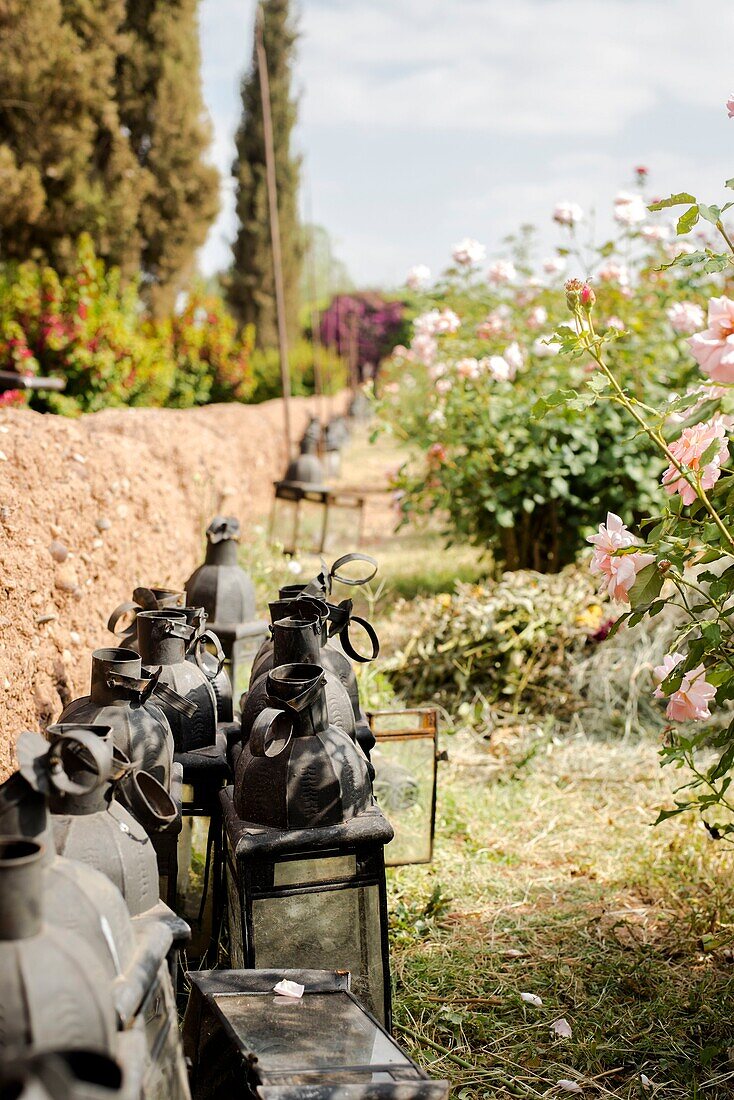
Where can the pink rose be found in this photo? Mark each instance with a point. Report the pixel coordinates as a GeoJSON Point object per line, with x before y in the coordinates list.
{"type": "Point", "coordinates": [713, 349]}
{"type": "Point", "coordinates": [514, 357]}
{"type": "Point", "coordinates": [618, 572]}
{"type": "Point", "coordinates": [661, 672]}
{"type": "Point", "coordinates": [567, 213]}
{"type": "Point", "coordinates": [500, 272]}
{"type": "Point", "coordinates": [616, 323]}
{"type": "Point", "coordinates": [443, 385]}
{"type": "Point", "coordinates": [468, 368]}
{"type": "Point", "coordinates": [690, 703]}
{"type": "Point", "coordinates": [468, 252]}
{"type": "Point", "coordinates": [730, 106]}
{"type": "Point", "coordinates": [612, 272]}
{"type": "Point", "coordinates": [554, 265]}
{"type": "Point", "coordinates": [688, 450]}
{"type": "Point", "coordinates": [629, 209]}
{"type": "Point", "coordinates": [424, 347]}
{"type": "Point", "coordinates": [418, 276]}
{"type": "Point", "coordinates": [499, 368]}
{"type": "Point", "coordinates": [685, 317]}
{"type": "Point", "coordinates": [537, 317]}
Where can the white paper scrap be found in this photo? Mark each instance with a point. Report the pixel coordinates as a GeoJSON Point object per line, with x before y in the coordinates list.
{"type": "Point", "coordinates": [287, 988]}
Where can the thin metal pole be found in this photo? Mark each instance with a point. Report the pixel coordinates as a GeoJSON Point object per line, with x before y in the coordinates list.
{"type": "Point", "coordinates": [262, 69]}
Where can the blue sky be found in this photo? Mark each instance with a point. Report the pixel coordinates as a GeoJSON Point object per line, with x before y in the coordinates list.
{"type": "Point", "coordinates": [425, 121]}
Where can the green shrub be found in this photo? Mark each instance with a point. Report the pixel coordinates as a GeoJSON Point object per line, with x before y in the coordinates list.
{"type": "Point", "coordinates": [301, 357]}
{"type": "Point", "coordinates": [90, 329]}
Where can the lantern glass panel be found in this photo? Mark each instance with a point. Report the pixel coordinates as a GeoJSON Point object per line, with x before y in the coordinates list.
{"type": "Point", "coordinates": [404, 759]}
{"type": "Point", "coordinates": [322, 929]}
{"type": "Point", "coordinates": [295, 872]}
{"type": "Point", "coordinates": [284, 522]}
{"type": "Point", "coordinates": [292, 1036]}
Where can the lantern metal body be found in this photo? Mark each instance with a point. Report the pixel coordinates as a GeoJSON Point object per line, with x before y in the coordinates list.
{"type": "Point", "coordinates": [305, 840]}
{"type": "Point", "coordinates": [244, 1041]}
{"type": "Point", "coordinates": [225, 591]}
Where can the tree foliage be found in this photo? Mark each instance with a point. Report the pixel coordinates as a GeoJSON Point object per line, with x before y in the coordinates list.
{"type": "Point", "coordinates": [251, 290]}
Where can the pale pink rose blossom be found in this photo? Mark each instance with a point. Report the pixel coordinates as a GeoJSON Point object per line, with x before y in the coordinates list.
{"type": "Point", "coordinates": [688, 451]}
{"type": "Point", "coordinates": [437, 416]}
{"type": "Point", "coordinates": [392, 387]}
{"type": "Point", "coordinates": [685, 317]}
{"type": "Point", "coordinates": [612, 272]}
{"type": "Point", "coordinates": [448, 322]}
{"type": "Point", "coordinates": [424, 347]}
{"type": "Point", "coordinates": [713, 349]}
{"type": "Point", "coordinates": [418, 276]}
{"type": "Point", "coordinates": [501, 272]}
{"type": "Point", "coordinates": [655, 232]}
{"type": "Point", "coordinates": [468, 252]}
{"type": "Point", "coordinates": [554, 265]}
{"type": "Point", "coordinates": [468, 368]}
{"type": "Point", "coordinates": [537, 317]}
{"type": "Point", "coordinates": [618, 572]}
{"type": "Point", "coordinates": [567, 213]}
{"type": "Point", "coordinates": [499, 369]}
{"type": "Point", "coordinates": [616, 323]}
{"type": "Point", "coordinates": [542, 350]}
{"type": "Point", "coordinates": [661, 672]}
{"type": "Point", "coordinates": [493, 324]}
{"type": "Point", "coordinates": [629, 209]}
{"type": "Point", "coordinates": [443, 385]}
{"type": "Point", "coordinates": [690, 703]}
{"type": "Point", "coordinates": [730, 106]}
{"type": "Point", "coordinates": [513, 355]}
{"type": "Point", "coordinates": [399, 351]}
{"type": "Point", "coordinates": [425, 324]}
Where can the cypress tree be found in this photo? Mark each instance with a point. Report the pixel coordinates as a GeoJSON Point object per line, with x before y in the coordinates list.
{"type": "Point", "coordinates": [161, 105]}
{"type": "Point", "coordinates": [65, 163]}
{"type": "Point", "coordinates": [251, 290]}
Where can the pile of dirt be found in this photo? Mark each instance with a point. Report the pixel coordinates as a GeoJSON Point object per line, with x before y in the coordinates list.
{"type": "Point", "coordinates": [92, 508]}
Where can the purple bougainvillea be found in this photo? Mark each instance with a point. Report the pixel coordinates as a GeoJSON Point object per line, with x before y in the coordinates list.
{"type": "Point", "coordinates": [363, 328]}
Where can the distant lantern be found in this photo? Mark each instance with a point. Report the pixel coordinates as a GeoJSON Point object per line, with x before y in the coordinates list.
{"type": "Point", "coordinates": [245, 1040]}
{"type": "Point", "coordinates": [222, 587]}
{"type": "Point", "coordinates": [305, 844]}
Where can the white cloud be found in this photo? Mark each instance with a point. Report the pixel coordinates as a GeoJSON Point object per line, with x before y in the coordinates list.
{"type": "Point", "coordinates": [424, 121]}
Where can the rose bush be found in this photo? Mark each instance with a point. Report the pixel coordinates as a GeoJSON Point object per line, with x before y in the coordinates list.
{"type": "Point", "coordinates": [687, 558]}
{"type": "Point", "coordinates": [482, 359]}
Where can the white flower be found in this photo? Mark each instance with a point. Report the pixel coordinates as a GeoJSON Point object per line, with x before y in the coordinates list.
{"type": "Point", "coordinates": [448, 321]}
{"type": "Point", "coordinates": [567, 213]}
{"type": "Point", "coordinates": [562, 1028]}
{"type": "Point", "coordinates": [499, 368]}
{"type": "Point", "coordinates": [424, 347]}
{"type": "Point", "coordinates": [685, 317]}
{"type": "Point", "coordinates": [418, 276]}
{"type": "Point", "coordinates": [500, 272]}
{"type": "Point", "coordinates": [294, 567]}
{"type": "Point", "coordinates": [513, 356]}
{"type": "Point", "coordinates": [542, 350]}
{"type": "Point", "coordinates": [629, 209]}
{"type": "Point", "coordinates": [569, 1086]}
{"type": "Point", "coordinates": [554, 265]}
{"type": "Point", "coordinates": [531, 999]}
{"type": "Point", "coordinates": [443, 385]}
{"type": "Point", "coordinates": [468, 252]}
{"type": "Point", "coordinates": [655, 232]}
{"type": "Point", "coordinates": [612, 272]}
{"type": "Point", "coordinates": [537, 317]}
{"type": "Point", "coordinates": [468, 368]}
{"type": "Point", "coordinates": [437, 416]}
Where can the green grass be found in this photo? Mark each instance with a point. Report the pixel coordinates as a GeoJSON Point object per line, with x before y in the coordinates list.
{"type": "Point", "coordinates": [548, 879]}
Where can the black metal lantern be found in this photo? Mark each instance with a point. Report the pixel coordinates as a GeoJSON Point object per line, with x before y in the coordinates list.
{"type": "Point", "coordinates": [225, 591]}
{"type": "Point", "coordinates": [242, 1040]}
{"type": "Point", "coordinates": [305, 845]}
{"type": "Point", "coordinates": [405, 759]}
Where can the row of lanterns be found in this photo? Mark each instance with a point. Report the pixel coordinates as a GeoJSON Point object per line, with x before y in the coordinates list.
{"type": "Point", "coordinates": [221, 771]}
